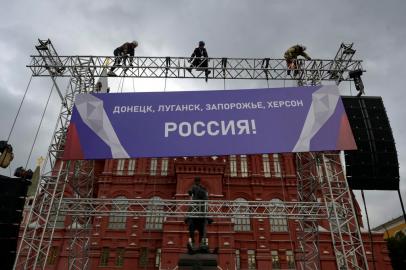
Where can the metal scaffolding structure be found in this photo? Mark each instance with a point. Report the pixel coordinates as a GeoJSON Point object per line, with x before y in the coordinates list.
{"type": "Point", "coordinates": [320, 175]}
{"type": "Point", "coordinates": [344, 227]}
{"type": "Point", "coordinates": [38, 234]}
{"type": "Point", "coordinates": [67, 188]}
{"type": "Point", "coordinates": [176, 67]}
{"type": "Point", "coordinates": [308, 229]}
{"type": "Point", "coordinates": [182, 208]}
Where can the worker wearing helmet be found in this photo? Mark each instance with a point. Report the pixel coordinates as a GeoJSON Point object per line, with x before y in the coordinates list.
{"type": "Point", "coordinates": [121, 53]}
{"type": "Point", "coordinates": [199, 59]}
{"type": "Point", "coordinates": [291, 56]}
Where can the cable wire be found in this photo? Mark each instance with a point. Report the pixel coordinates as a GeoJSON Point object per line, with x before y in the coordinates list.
{"type": "Point", "coordinates": [39, 126]}
{"type": "Point", "coordinates": [19, 108]}
{"type": "Point", "coordinates": [401, 204]}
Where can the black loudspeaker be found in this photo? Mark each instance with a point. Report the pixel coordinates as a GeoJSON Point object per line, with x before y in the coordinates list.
{"type": "Point", "coordinates": [374, 166]}
{"type": "Point", "coordinates": [13, 192]}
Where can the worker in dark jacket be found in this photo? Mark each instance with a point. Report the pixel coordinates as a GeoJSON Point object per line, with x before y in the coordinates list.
{"type": "Point", "coordinates": [291, 56]}
{"type": "Point", "coordinates": [121, 53]}
{"type": "Point", "coordinates": [199, 59]}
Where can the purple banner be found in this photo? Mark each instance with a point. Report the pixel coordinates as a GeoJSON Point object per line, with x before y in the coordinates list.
{"type": "Point", "coordinates": [206, 123]}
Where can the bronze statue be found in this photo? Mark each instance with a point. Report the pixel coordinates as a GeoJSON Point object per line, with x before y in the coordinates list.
{"type": "Point", "coordinates": [197, 219]}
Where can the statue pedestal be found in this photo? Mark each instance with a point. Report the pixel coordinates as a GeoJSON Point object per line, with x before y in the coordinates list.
{"type": "Point", "coordinates": [198, 261]}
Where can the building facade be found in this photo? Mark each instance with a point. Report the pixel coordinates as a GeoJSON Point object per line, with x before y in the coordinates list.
{"type": "Point", "coordinates": [156, 241]}
{"type": "Point", "coordinates": [392, 227]}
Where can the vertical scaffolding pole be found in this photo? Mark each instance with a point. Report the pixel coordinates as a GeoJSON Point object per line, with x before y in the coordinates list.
{"type": "Point", "coordinates": [345, 233]}
{"type": "Point", "coordinates": [308, 234]}
{"type": "Point", "coordinates": [37, 237]}
{"type": "Point", "coordinates": [82, 182]}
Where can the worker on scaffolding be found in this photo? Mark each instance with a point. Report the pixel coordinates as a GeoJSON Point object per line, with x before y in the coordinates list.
{"type": "Point", "coordinates": [122, 53]}
{"type": "Point", "coordinates": [199, 60]}
{"type": "Point", "coordinates": [291, 57]}
{"type": "Point", "coordinates": [6, 154]}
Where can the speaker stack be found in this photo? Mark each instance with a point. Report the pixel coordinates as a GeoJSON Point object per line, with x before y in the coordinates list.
{"type": "Point", "coordinates": [13, 192]}
{"type": "Point", "coordinates": [374, 166]}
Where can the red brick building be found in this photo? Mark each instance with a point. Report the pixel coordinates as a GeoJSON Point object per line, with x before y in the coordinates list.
{"type": "Point", "coordinates": [119, 242]}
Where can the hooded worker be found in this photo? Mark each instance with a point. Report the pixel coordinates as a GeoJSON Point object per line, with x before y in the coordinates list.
{"type": "Point", "coordinates": [291, 55]}
{"type": "Point", "coordinates": [121, 53]}
{"type": "Point", "coordinates": [199, 59]}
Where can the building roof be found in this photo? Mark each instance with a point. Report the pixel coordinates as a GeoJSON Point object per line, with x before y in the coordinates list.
{"type": "Point", "coordinates": [390, 223]}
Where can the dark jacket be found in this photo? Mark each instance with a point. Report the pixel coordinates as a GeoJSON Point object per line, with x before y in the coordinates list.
{"type": "Point", "coordinates": [126, 49]}
{"type": "Point", "coordinates": [196, 57]}
{"type": "Point", "coordinates": [199, 52]}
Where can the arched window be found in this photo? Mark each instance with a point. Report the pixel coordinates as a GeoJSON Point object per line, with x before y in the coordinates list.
{"type": "Point", "coordinates": [252, 261]}
{"type": "Point", "coordinates": [131, 166]}
{"type": "Point", "coordinates": [277, 172]}
{"type": "Point", "coordinates": [244, 166]}
{"type": "Point", "coordinates": [117, 219]}
{"type": "Point", "coordinates": [153, 166]}
{"type": "Point", "coordinates": [155, 217]}
{"type": "Point", "coordinates": [233, 166]}
{"type": "Point", "coordinates": [164, 166]}
{"type": "Point", "coordinates": [266, 165]}
{"type": "Point", "coordinates": [276, 263]}
{"type": "Point", "coordinates": [120, 166]}
{"type": "Point", "coordinates": [241, 221]}
{"type": "Point", "coordinates": [278, 223]}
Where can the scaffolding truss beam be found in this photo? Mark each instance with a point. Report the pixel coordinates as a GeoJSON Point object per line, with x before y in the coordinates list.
{"type": "Point", "coordinates": [177, 67]}
{"type": "Point", "coordinates": [183, 208]}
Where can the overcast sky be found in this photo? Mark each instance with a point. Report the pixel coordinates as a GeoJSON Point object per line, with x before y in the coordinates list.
{"type": "Point", "coordinates": [232, 28]}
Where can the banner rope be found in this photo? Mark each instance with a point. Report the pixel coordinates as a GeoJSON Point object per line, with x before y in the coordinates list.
{"type": "Point", "coordinates": [39, 126]}
{"type": "Point", "coordinates": [19, 108]}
